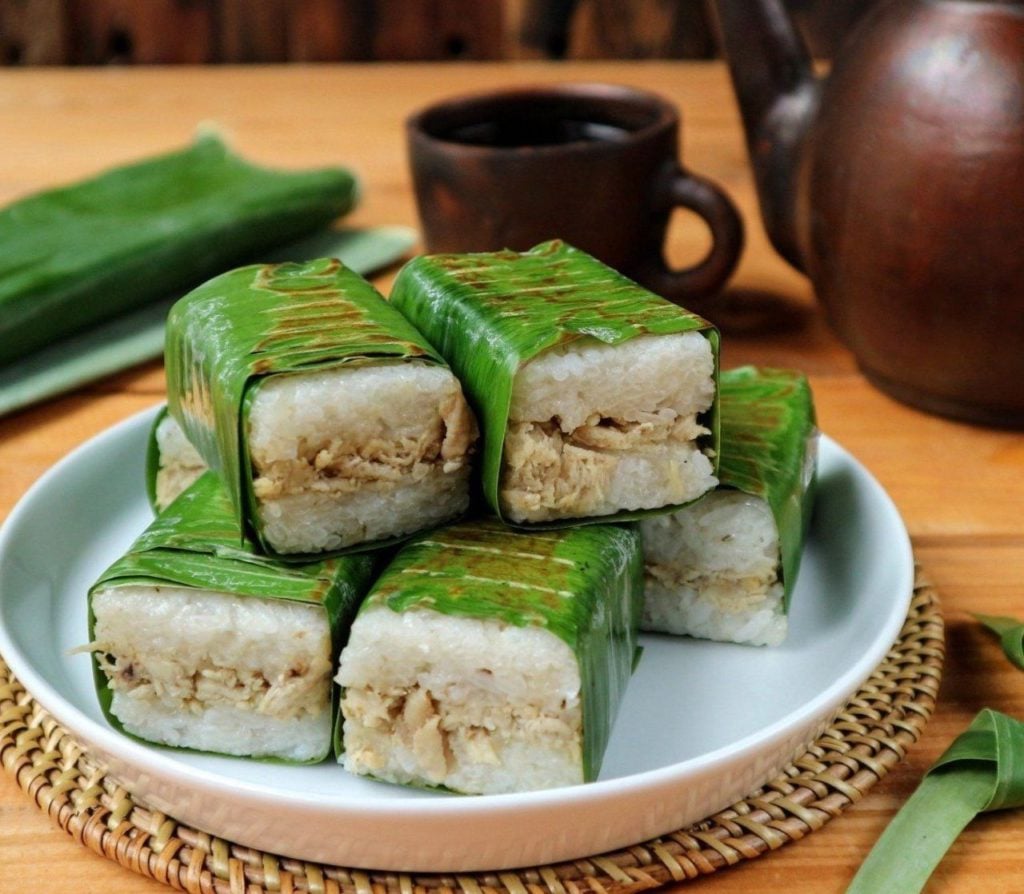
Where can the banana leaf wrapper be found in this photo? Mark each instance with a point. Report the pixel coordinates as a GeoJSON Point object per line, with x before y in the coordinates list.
{"type": "Point", "coordinates": [490, 313]}
{"type": "Point", "coordinates": [81, 254]}
{"type": "Point", "coordinates": [770, 450]}
{"type": "Point", "coordinates": [196, 545]}
{"type": "Point", "coordinates": [582, 585]}
{"type": "Point", "coordinates": [227, 337]}
{"type": "Point", "coordinates": [153, 459]}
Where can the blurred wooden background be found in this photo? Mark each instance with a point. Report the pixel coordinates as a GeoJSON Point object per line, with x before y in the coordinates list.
{"type": "Point", "coordinates": [148, 32]}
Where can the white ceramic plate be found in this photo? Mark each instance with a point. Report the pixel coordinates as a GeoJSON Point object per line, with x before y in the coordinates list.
{"type": "Point", "coordinates": [703, 724]}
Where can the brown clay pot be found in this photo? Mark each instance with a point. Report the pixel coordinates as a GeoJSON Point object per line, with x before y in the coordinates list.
{"type": "Point", "coordinates": [897, 185]}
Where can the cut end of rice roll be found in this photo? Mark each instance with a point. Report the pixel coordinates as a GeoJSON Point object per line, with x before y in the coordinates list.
{"type": "Point", "coordinates": [595, 429]}
{"type": "Point", "coordinates": [359, 453]}
{"type": "Point", "coordinates": [597, 398]}
{"type": "Point", "coordinates": [474, 705]}
{"type": "Point", "coordinates": [487, 661]}
{"type": "Point", "coordinates": [216, 672]}
{"type": "Point", "coordinates": [331, 420]}
{"type": "Point", "coordinates": [712, 571]}
{"type": "Point", "coordinates": [179, 464]}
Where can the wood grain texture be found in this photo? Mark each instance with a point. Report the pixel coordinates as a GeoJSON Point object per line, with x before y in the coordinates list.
{"type": "Point", "coordinates": [104, 32]}
{"type": "Point", "coordinates": [959, 488]}
{"type": "Point", "coordinates": [157, 32]}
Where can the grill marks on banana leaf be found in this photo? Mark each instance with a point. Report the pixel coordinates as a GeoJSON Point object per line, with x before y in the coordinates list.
{"type": "Point", "coordinates": [767, 415]}
{"type": "Point", "coordinates": [490, 314]}
{"type": "Point", "coordinates": [583, 584]}
{"type": "Point", "coordinates": [551, 579]}
{"type": "Point", "coordinates": [318, 316]}
{"type": "Point", "coordinates": [250, 323]}
{"type": "Point", "coordinates": [769, 450]}
{"type": "Point", "coordinates": [557, 287]}
{"type": "Point", "coordinates": [200, 524]}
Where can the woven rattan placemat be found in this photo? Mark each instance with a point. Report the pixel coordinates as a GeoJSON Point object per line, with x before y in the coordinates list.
{"type": "Point", "coordinates": [867, 738]}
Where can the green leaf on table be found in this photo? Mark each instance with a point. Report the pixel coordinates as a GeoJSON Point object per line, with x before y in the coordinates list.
{"type": "Point", "coordinates": [82, 254]}
{"type": "Point", "coordinates": [1011, 635]}
{"type": "Point", "coordinates": [138, 335]}
{"type": "Point", "coordinates": [983, 770]}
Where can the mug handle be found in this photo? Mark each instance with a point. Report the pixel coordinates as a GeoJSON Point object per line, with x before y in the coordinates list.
{"type": "Point", "coordinates": [685, 190]}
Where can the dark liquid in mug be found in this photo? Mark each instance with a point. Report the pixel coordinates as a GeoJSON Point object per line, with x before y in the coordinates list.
{"type": "Point", "coordinates": [516, 133]}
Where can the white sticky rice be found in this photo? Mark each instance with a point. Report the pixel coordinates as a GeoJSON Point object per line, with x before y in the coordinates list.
{"type": "Point", "coordinates": [712, 571]}
{"type": "Point", "coordinates": [217, 672]}
{"type": "Point", "coordinates": [179, 465]}
{"type": "Point", "coordinates": [357, 454]}
{"type": "Point", "coordinates": [478, 706]}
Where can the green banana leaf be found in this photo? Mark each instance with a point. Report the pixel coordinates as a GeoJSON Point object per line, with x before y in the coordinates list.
{"type": "Point", "coordinates": [769, 450]}
{"type": "Point", "coordinates": [1011, 635]}
{"type": "Point", "coordinates": [81, 254]}
{"type": "Point", "coordinates": [196, 543]}
{"type": "Point", "coordinates": [153, 459]}
{"type": "Point", "coordinates": [583, 584]}
{"type": "Point", "coordinates": [490, 313]}
{"type": "Point", "coordinates": [227, 336]}
{"type": "Point", "coordinates": [138, 335]}
{"type": "Point", "coordinates": [983, 770]}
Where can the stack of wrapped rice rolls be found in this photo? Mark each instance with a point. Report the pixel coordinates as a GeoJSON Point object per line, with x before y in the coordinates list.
{"type": "Point", "coordinates": [423, 534]}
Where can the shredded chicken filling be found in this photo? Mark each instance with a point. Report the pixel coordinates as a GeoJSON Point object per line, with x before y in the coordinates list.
{"type": "Point", "coordinates": [302, 690]}
{"type": "Point", "coordinates": [730, 594]}
{"type": "Point", "coordinates": [442, 733]}
{"type": "Point", "coordinates": [343, 466]}
{"type": "Point", "coordinates": [173, 478]}
{"type": "Point", "coordinates": [547, 467]}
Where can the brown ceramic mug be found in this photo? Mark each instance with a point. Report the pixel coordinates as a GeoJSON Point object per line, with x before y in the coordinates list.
{"type": "Point", "coordinates": [593, 164]}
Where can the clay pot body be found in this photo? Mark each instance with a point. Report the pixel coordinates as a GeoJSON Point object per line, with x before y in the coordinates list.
{"type": "Point", "coordinates": [897, 185]}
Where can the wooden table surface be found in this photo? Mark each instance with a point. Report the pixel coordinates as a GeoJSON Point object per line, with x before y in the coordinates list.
{"type": "Point", "coordinates": [960, 488]}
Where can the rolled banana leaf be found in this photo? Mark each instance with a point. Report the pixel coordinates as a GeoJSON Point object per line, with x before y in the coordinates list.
{"type": "Point", "coordinates": [486, 660]}
{"type": "Point", "coordinates": [980, 772]}
{"type": "Point", "coordinates": [332, 422]}
{"type": "Point", "coordinates": [725, 567]}
{"type": "Point", "coordinates": [81, 254]}
{"type": "Point", "coordinates": [1011, 635]}
{"type": "Point", "coordinates": [199, 641]}
{"type": "Point", "coordinates": [596, 397]}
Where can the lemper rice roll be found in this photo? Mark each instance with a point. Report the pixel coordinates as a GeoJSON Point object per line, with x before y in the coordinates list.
{"type": "Point", "coordinates": [487, 661]}
{"type": "Point", "coordinates": [596, 397]}
{"type": "Point", "coordinates": [725, 567]}
{"type": "Point", "coordinates": [200, 641]}
{"type": "Point", "coordinates": [333, 422]}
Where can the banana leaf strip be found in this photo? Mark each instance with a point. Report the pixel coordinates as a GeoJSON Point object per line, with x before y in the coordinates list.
{"type": "Point", "coordinates": [490, 313]}
{"type": "Point", "coordinates": [153, 458]}
{"type": "Point", "coordinates": [138, 335]}
{"type": "Point", "coordinates": [227, 336]}
{"type": "Point", "coordinates": [982, 771]}
{"type": "Point", "coordinates": [769, 450]}
{"type": "Point", "coordinates": [196, 544]}
{"type": "Point", "coordinates": [78, 255]}
{"type": "Point", "coordinates": [583, 584]}
{"type": "Point", "coordinates": [1011, 635]}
